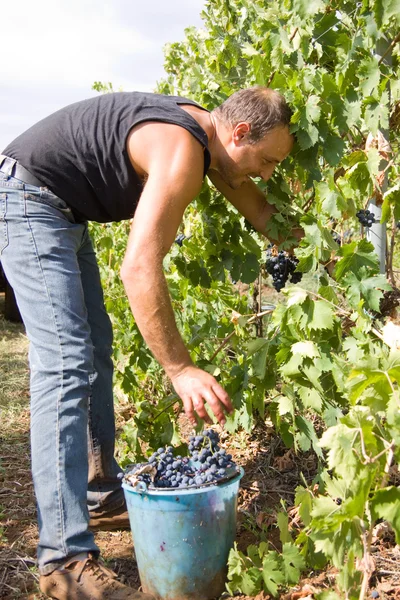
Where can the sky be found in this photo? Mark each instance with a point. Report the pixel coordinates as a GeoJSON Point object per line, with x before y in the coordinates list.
{"type": "Point", "coordinates": [54, 50]}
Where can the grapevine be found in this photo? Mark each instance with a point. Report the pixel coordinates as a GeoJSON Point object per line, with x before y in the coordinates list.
{"type": "Point", "coordinates": [323, 357]}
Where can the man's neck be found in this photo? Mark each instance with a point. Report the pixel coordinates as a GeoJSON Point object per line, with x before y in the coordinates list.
{"type": "Point", "coordinates": [206, 122]}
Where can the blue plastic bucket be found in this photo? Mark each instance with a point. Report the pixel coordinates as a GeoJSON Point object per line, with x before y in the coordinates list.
{"type": "Point", "coordinates": [182, 539]}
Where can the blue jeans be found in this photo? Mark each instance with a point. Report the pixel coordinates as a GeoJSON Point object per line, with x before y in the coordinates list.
{"type": "Point", "coordinates": [49, 260]}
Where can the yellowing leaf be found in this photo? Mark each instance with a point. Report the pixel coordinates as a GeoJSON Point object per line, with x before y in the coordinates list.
{"type": "Point", "coordinates": [306, 349]}
{"type": "Point", "coordinates": [296, 295]}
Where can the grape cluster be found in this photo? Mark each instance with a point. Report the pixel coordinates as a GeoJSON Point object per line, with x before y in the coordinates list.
{"type": "Point", "coordinates": [366, 217]}
{"type": "Point", "coordinates": [180, 238]}
{"type": "Point", "coordinates": [207, 464]}
{"type": "Point", "coordinates": [282, 266]}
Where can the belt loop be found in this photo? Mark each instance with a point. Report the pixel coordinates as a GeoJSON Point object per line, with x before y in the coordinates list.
{"type": "Point", "coordinates": [7, 165]}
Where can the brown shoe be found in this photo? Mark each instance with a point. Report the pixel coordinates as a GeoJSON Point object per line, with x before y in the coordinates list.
{"type": "Point", "coordinates": [108, 521]}
{"type": "Point", "coordinates": [87, 579]}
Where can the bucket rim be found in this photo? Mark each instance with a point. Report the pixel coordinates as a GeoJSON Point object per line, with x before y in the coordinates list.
{"type": "Point", "coordinates": [183, 491]}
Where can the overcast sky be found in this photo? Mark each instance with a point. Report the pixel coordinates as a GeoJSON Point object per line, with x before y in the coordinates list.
{"type": "Point", "coordinates": [54, 50]}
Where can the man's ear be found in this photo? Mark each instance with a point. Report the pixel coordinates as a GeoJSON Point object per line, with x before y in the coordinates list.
{"type": "Point", "coordinates": [241, 133]}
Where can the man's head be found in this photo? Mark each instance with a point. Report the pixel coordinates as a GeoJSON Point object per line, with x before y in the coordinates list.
{"type": "Point", "coordinates": [253, 131]}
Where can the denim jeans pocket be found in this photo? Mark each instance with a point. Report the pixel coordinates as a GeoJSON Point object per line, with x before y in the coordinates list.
{"type": "Point", "coordinates": [3, 223]}
{"type": "Point", "coordinates": [45, 197]}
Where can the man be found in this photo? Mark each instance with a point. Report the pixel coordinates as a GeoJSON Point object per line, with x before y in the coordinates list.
{"type": "Point", "coordinates": [111, 158]}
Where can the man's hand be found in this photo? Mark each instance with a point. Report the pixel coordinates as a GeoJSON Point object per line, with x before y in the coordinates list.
{"type": "Point", "coordinates": [195, 387]}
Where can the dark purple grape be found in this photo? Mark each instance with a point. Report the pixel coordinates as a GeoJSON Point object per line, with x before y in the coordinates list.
{"type": "Point", "coordinates": [207, 465]}
{"type": "Point", "coordinates": [366, 217]}
{"type": "Point", "coordinates": [281, 267]}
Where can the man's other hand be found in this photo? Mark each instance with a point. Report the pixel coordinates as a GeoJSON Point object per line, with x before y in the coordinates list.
{"type": "Point", "coordinates": [195, 387]}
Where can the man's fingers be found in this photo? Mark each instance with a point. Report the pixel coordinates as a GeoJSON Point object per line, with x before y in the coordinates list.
{"type": "Point", "coordinates": [196, 387]}
{"type": "Point", "coordinates": [199, 407]}
{"type": "Point", "coordinates": [223, 397]}
{"type": "Point", "coordinates": [189, 411]}
{"type": "Point", "coordinates": [216, 406]}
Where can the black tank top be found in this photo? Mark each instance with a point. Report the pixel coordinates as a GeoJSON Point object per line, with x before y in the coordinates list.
{"type": "Point", "coordinates": [80, 154]}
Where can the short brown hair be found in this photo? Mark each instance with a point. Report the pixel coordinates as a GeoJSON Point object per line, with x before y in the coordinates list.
{"type": "Point", "coordinates": [261, 107]}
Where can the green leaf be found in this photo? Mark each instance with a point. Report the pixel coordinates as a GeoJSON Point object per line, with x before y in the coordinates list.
{"type": "Point", "coordinates": [292, 563]}
{"type": "Point", "coordinates": [373, 161]}
{"type": "Point", "coordinates": [384, 10]}
{"type": "Point", "coordinates": [386, 505]}
{"type": "Point", "coordinates": [292, 367]}
{"type": "Point", "coordinates": [328, 595]}
{"type": "Point", "coordinates": [250, 269]}
{"type": "Point", "coordinates": [251, 583]}
{"type": "Point", "coordinates": [255, 345]}
{"type": "Point", "coordinates": [369, 73]}
{"type": "Point", "coordinates": [333, 149]}
{"type": "Point", "coordinates": [214, 370]}
{"type": "Point", "coordinates": [391, 198]}
{"type": "Point", "coordinates": [339, 442]}
{"type": "Point", "coordinates": [272, 575]}
{"type": "Point", "coordinates": [296, 295]}
{"type": "Point", "coordinates": [319, 315]}
{"type": "Point", "coordinates": [307, 138]}
{"type": "Point", "coordinates": [354, 256]}
{"type": "Point", "coordinates": [285, 405]}
{"type": "Point", "coordinates": [312, 108]}
{"type": "Point", "coordinates": [305, 349]}
{"type": "Point", "coordinates": [310, 398]}
{"type": "Point", "coordinates": [254, 555]}
{"type": "Point", "coordinates": [303, 500]}
{"type": "Point", "coordinates": [106, 242]}
{"type": "Point", "coordinates": [259, 362]}
{"type": "Point", "coordinates": [248, 50]}
{"type": "Point", "coordinates": [283, 525]}
{"type": "Point", "coordinates": [307, 429]}
{"type": "Point", "coordinates": [376, 113]}
{"type": "Point", "coordinates": [369, 288]}
{"type": "Point", "coordinates": [331, 202]}
{"type": "Point", "coordinates": [304, 8]}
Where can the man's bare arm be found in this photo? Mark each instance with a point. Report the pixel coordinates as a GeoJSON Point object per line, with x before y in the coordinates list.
{"type": "Point", "coordinates": [250, 201]}
{"type": "Point", "coordinates": [174, 178]}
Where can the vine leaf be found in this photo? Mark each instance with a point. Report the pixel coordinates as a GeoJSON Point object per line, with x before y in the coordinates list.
{"type": "Point", "coordinates": [339, 443]}
{"type": "Point", "coordinates": [292, 563]}
{"type": "Point", "coordinates": [251, 581]}
{"type": "Point", "coordinates": [386, 505]}
{"type": "Point", "coordinates": [319, 315]}
{"type": "Point", "coordinates": [369, 288]}
{"type": "Point", "coordinates": [305, 349]}
{"type": "Point", "coordinates": [271, 574]}
{"type": "Point", "coordinates": [369, 75]}
{"type": "Point", "coordinates": [354, 256]}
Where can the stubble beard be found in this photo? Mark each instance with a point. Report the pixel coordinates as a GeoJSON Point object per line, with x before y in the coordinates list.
{"type": "Point", "coordinates": [228, 171]}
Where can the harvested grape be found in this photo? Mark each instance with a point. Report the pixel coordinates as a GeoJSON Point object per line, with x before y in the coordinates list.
{"type": "Point", "coordinates": [207, 464]}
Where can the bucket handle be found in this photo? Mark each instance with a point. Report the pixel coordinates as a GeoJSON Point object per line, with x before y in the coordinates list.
{"type": "Point", "coordinates": [141, 487]}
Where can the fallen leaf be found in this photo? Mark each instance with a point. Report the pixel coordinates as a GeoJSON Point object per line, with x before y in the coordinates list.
{"type": "Point", "coordinates": [306, 592]}
{"type": "Point", "coordinates": [264, 519]}
{"type": "Point", "coordinates": [285, 462]}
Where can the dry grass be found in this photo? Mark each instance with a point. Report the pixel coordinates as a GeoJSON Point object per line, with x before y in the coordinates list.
{"type": "Point", "coordinates": [14, 381]}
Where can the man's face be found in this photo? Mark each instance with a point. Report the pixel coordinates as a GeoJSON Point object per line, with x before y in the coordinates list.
{"type": "Point", "coordinates": [242, 159]}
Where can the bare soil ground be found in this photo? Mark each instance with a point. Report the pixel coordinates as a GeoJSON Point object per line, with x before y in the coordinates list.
{"type": "Point", "coordinates": [271, 476]}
